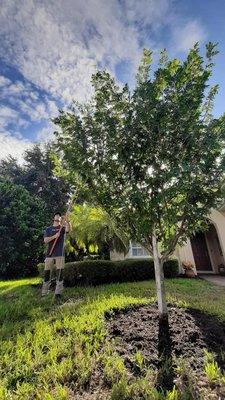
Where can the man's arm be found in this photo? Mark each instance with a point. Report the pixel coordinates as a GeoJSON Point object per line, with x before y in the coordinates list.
{"type": "Point", "coordinates": [66, 223]}
{"type": "Point", "coordinates": [48, 239]}
{"type": "Point", "coordinates": [67, 226]}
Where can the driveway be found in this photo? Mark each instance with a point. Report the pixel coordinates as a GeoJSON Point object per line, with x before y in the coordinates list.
{"type": "Point", "coordinates": [216, 279]}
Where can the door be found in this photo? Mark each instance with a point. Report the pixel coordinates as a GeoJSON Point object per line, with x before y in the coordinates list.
{"type": "Point", "coordinates": [200, 252]}
{"type": "Point", "coordinates": [214, 247]}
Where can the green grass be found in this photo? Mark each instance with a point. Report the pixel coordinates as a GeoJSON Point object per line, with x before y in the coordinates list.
{"type": "Point", "coordinates": [48, 350]}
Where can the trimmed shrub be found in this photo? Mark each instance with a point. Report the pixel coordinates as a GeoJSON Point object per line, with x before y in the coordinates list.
{"type": "Point", "coordinates": [171, 268]}
{"type": "Point", "coordinates": [89, 272]}
{"type": "Point", "coordinates": [95, 272]}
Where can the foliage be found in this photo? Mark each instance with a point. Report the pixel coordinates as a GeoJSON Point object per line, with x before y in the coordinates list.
{"type": "Point", "coordinates": [96, 272]}
{"type": "Point", "coordinates": [93, 228]}
{"type": "Point", "coordinates": [36, 175]}
{"type": "Point", "coordinates": [211, 368]}
{"type": "Point", "coordinates": [50, 194]}
{"type": "Point", "coordinates": [187, 265]}
{"type": "Point", "coordinates": [21, 230]}
{"type": "Point", "coordinates": [153, 158]}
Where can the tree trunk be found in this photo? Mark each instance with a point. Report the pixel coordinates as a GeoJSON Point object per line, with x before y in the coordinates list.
{"type": "Point", "coordinates": [159, 278]}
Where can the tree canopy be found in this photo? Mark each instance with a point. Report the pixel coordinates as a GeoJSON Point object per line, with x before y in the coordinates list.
{"type": "Point", "coordinates": [152, 158]}
{"type": "Point", "coordinates": [38, 193]}
{"type": "Point", "coordinates": [36, 175]}
{"type": "Point", "coordinates": [94, 229]}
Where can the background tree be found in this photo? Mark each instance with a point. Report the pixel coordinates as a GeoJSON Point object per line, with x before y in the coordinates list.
{"type": "Point", "coordinates": [36, 175]}
{"type": "Point", "coordinates": [21, 231]}
{"type": "Point", "coordinates": [95, 232]}
{"type": "Point", "coordinates": [153, 157]}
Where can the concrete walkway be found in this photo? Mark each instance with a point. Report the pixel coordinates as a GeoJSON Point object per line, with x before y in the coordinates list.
{"type": "Point", "coordinates": [216, 279]}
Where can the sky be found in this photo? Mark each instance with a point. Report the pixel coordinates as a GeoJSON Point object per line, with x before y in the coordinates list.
{"type": "Point", "coordinates": [50, 48]}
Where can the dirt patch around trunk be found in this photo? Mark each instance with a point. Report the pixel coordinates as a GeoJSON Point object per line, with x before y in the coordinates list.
{"type": "Point", "coordinates": [189, 332]}
{"type": "Point", "coordinates": [186, 336]}
{"type": "Point", "coordinates": [140, 338]}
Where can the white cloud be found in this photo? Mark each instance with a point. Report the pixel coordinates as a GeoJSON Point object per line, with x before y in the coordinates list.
{"type": "Point", "coordinates": [46, 133]}
{"type": "Point", "coordinates": [58, 44]}
{"type": "Point", "coordinates": [22, 106]}
{"type": "Point", "coordinates": [149, 12]}
{"type": "Point", "coordinates": [7, 112]}
{"type": "Point", "coordinates": [46, 51]}
{"type": "Point", "coordinates": [7, 115]}
{"type": "Point", "coordinates": [22, 100]}
{"type": "Point", "coordinates": [4, 81]}
{"type": "Point", "coordinates": [13, 145]}
{"type": "Point", "coordinates": [186, 36]}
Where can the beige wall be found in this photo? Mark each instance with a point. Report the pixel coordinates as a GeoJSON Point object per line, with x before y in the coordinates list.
{"type": "Point", "coordinates": [185, 253]}
{"type": "Point", "coordinates": [115, 256]}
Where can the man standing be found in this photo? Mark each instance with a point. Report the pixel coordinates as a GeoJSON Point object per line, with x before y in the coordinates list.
{"type": "Point", "coordinates": [55, 253]}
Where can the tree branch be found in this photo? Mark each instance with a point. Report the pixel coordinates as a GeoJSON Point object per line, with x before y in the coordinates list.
{"type": "Point", "coordinates": [174, 241]}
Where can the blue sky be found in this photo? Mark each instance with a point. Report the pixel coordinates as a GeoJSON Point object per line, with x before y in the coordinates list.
{"type": "Point", "coordinates": [50, 48]}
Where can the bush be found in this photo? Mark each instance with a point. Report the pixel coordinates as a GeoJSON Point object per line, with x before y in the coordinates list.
{"type": "Point", "coordinates": [171, 268]}
{"type": "Point", "coordinates": [41, 267]}
{"type": "Point", "coordinates": [21, 231]}
{"type": "Point", "coordinates": [94, 272]}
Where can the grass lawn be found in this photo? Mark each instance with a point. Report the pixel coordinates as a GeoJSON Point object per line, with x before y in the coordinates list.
{"type": "Point", "coordinates": [49, 351]}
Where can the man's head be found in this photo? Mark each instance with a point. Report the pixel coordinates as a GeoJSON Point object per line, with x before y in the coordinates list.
{"type": "Point", "coordinates": [57, 218]}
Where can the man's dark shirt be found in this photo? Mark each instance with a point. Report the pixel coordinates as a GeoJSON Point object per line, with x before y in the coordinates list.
{"type": "Point", "coordinates": [58, 250]}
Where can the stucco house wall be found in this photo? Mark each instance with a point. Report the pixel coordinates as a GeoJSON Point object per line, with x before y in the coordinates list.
{"type": "Point", "coordinates": [211, 247]}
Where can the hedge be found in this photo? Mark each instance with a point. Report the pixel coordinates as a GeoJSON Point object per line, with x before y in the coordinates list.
{"type": "Point", "coordinates": [95, 272]}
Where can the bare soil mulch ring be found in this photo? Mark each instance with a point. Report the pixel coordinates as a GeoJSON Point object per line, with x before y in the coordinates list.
{"type": "Point", "coordinates": [187, 334]}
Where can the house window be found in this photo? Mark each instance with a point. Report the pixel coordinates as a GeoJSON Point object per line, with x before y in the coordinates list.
{"type": "Point", "coordinates": [138, 251]}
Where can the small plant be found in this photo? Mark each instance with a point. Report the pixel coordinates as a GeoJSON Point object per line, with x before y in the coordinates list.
{"type": "Point", "coordinates": [211, 368]}
{"type": "Point", "coordinates": [114, 369]}
{"type": "Point", "coordinates": [172, 395]}
{"type": "Point", "coordinates": [185, 382]}
{"type": "Point", "coordinates": [188, 267]}
{"type": "Point", "coordinates": [139, 361]}
{"type": "Point", "coordinates": [212, 371]}
{"type": "Point", "coordinates": [143, 388]}
{"type": "Point", "coordinates": [3, 393]}
{"type": "Point", "coordinates": [120, 390]}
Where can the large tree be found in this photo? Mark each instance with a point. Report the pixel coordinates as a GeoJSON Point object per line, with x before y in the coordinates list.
{"type": "Point", "coordinates": [36, 175]}
{"type": "Point", "coordinates": [152, 157]}
{"type": "Point", "coordinates": [95, 231]}
{"type": "Point", "coordinates": [21, 231]}
{"type": "Point", "coordinates": [35, 182]}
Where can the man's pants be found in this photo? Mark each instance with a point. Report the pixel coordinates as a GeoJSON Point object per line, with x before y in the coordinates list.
{"type": "Point", "coordinates": [49, 262]}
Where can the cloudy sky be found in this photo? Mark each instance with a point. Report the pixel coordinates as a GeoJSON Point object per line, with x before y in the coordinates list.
{"type": "Point", "coordinates": [50, 48]}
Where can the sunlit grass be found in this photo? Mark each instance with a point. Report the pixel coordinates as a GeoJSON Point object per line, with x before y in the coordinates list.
{"type": "Point", "coordinates": [49, 350]}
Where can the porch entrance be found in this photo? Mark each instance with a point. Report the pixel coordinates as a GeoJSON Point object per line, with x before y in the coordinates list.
{"type": "Point", "coordinates": [207, 250]}
{"type": "Point", "coordinates": [200, 252]}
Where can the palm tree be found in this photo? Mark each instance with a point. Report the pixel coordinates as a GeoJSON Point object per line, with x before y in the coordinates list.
{"type": "Point", "coordinates": [93, 228]}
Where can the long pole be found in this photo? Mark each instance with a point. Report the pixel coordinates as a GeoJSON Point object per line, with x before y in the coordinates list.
{"type": "Point", "coordinates": [60, 230]}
